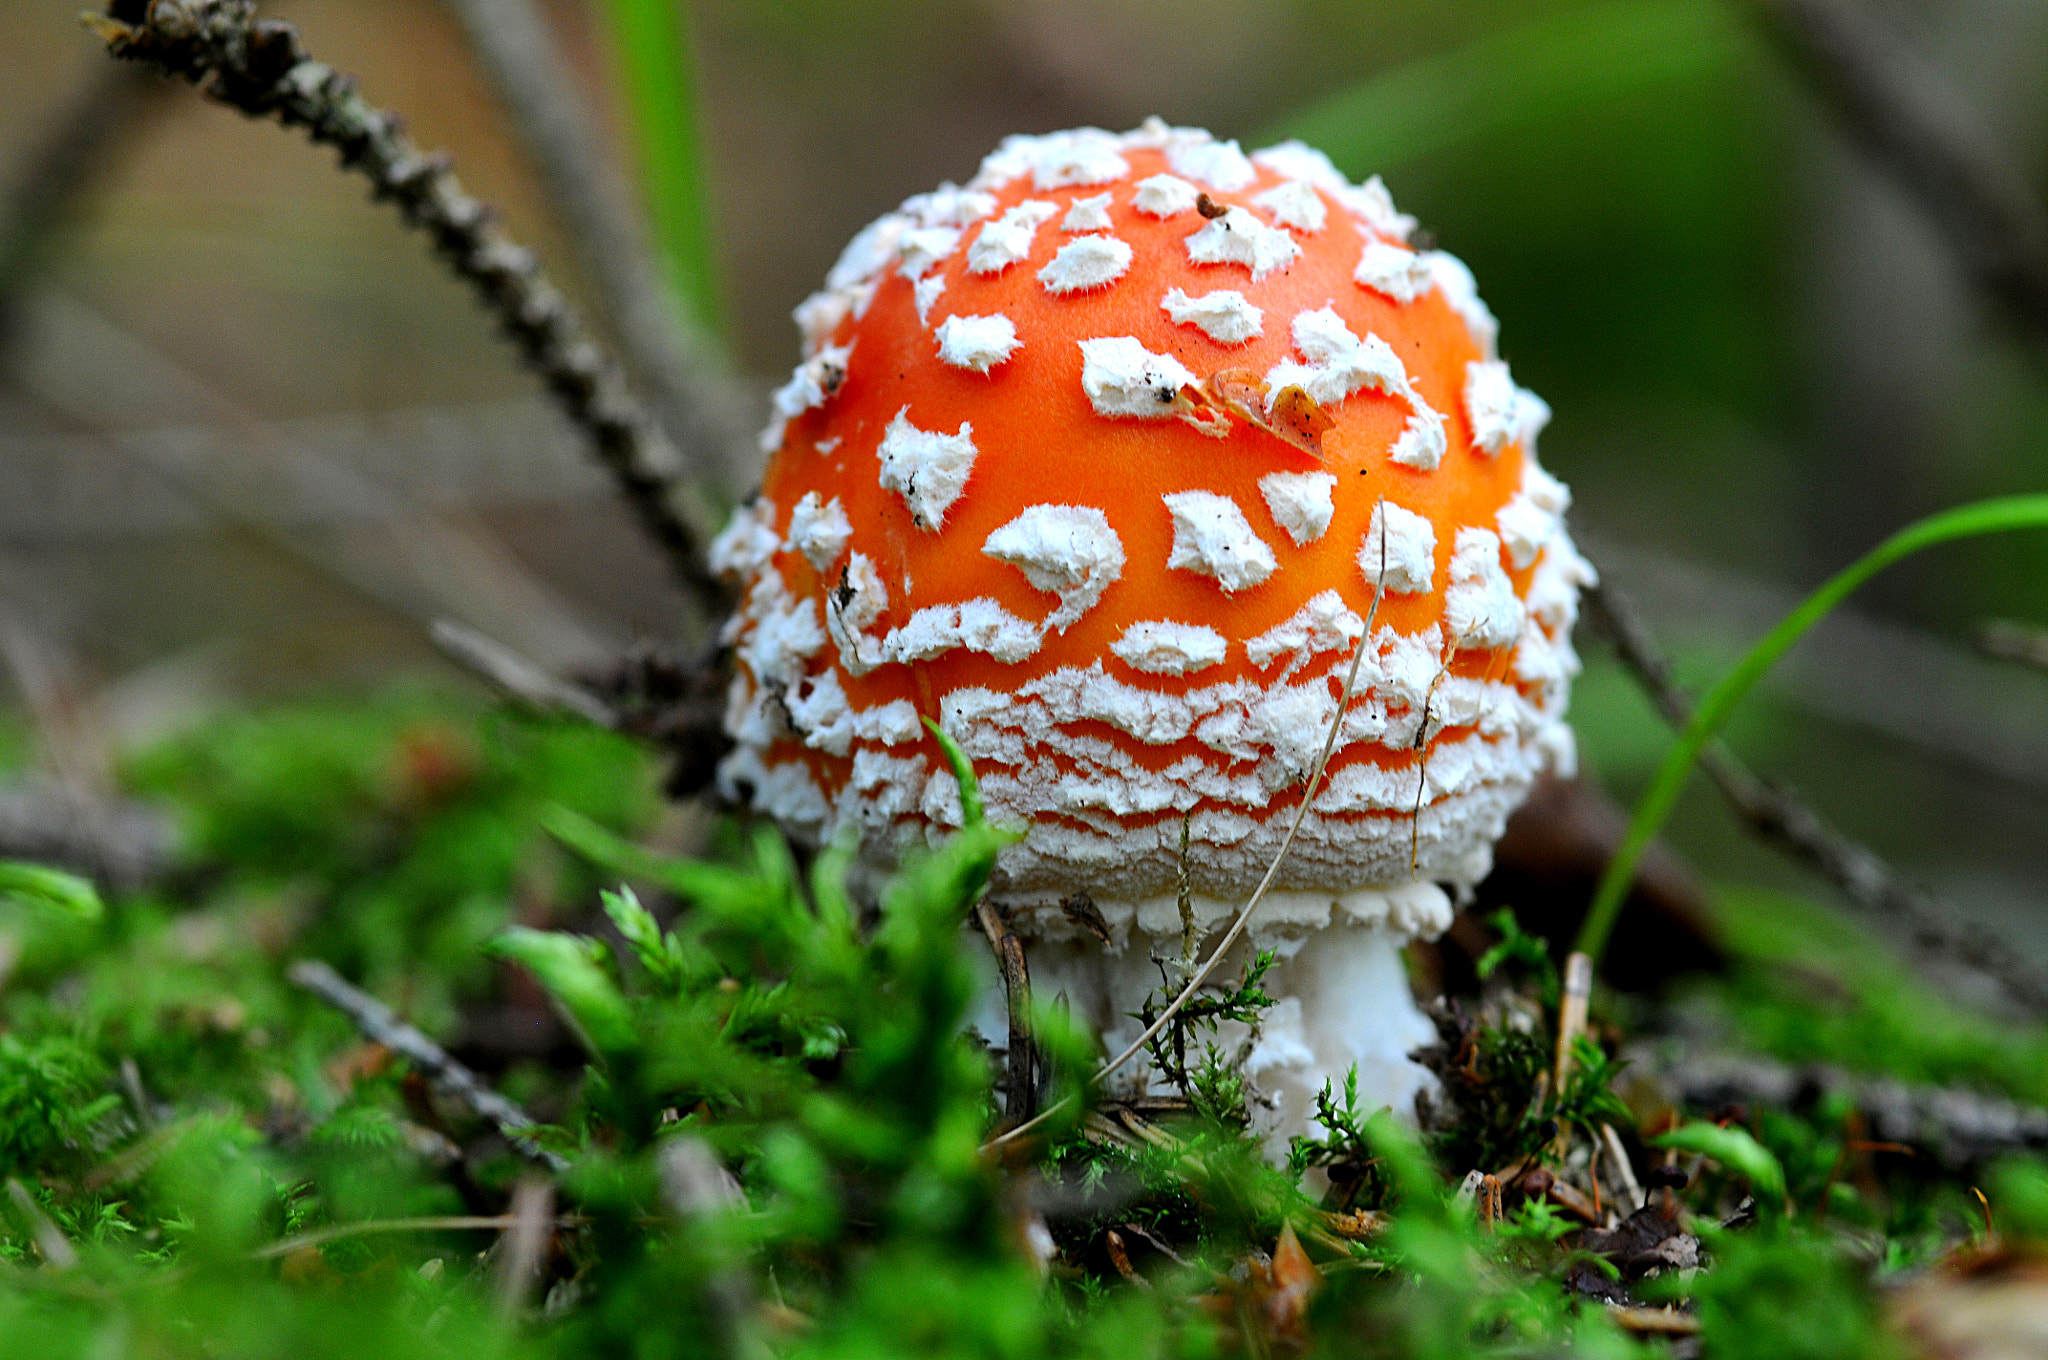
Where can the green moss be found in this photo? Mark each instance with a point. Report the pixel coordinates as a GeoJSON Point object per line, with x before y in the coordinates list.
{"type": "Point", "coordinates": [196, 1127]}
{"type": "Point", "coordinates": [1810, 987]}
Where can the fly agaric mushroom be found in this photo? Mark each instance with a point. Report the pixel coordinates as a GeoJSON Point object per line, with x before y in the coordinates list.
{"type": "Point", "coordinates": [1103, 462]}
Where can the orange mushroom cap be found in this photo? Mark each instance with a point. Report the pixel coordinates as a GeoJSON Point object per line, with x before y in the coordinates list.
{"type": "Point", "coordinates": [1102, 462]}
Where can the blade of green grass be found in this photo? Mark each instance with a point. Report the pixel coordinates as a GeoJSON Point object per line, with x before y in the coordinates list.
{"type": "Point", "coordinates": [1523, 74]}
{"type": "Point", "coordinates": [1967, 521]}
{"type": "Point", "coordinates": [652, 42]}
{"type": "Point", "coordinates": [68, 894]}
{"type": "Point", "coordinates": [1735, 1149]}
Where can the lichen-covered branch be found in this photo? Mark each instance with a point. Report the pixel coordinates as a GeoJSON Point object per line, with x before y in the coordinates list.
{"type": "Point", "coordinates": [381, 1025]}
{"type": "Point", "coordinates": [1782, 819]}
{"type": "Point", "coordinates": [260, 67]}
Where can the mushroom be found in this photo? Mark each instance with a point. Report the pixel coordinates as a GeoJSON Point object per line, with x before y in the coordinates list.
{"type": "Point", "coordinates": [1103, 461]}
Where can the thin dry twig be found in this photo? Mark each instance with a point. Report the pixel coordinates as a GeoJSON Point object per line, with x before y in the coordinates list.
{"type": "Point", "coordinates": [1919, 130]}
{"type": "Point", "coordinates": [336, 1232]}
{"type": "Point", "coordinates": [452, 1079]}
{"type": "Point", "coordinates": [1783, 820]}
{"type": "Point", "coordinates": [518, 677]}
{"type": "Point", "coordinates": [1573, 1000]}
{"type": "Point", "coordinates": [1653, 1321]}
{"type": "Point", "coordinates": [700, 406]}
{"type": "Point", "coordinates": [1020, 1087]}
{"type": "Point", "coordinates": [1244, 917]}
{"type": "Point", "coordinates": [261, 68]}
{"type": "Point", "coordinates": [675, 700]}
{"type": "Point", "coordinates": [1616, 1153]}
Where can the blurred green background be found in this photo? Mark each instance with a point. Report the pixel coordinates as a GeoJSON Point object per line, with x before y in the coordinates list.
{"type": "Point", "coordinates": [252, 438]}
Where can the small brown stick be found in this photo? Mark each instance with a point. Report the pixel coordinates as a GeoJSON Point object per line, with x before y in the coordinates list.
{"type": "Point", "coordinates": [1653, 1321]}
{"type": "Point", "coordinates": [261, 68]}
{"type": "Point", "coordinates": [1152, 1239]}
{"type": "Point", "coordinates": [1489, 1202]}
{"type": "Point", "coordinates": [1569, 1198]}
{"type": "Point", "coordinates": [1121, 1259]}
{"type": "Point", "coordinates": [381, 1025]}
{"type": "Point", "coordinates": [1572, 1002]}
{"type": "Point", "coordinates": [1020, 1088]}
{"type": "Point", "coordinates": [1781, 819]}
{"type": "Point", "coordinates": [1571, 1012]}
{"type": "Point", "coordinates": [1355, 1225]}
{"type": "Point", "coordinates": [1984, 1206]}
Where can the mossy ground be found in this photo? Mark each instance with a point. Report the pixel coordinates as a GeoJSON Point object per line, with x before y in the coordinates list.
{"type": "Point", "coordinates": [227, 1160]}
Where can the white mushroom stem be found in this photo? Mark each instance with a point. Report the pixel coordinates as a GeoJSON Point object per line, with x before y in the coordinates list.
{"type": "Point", "coordinates": [1342, 1001]}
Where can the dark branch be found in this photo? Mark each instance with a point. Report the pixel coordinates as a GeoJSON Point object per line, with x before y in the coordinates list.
{"type": "Point", "coordinates": [1916, 128]}
{"type": "Point", "coordinates": [451, 1079]}
{"type": "Point", "coordinates": [260, 68]}
{"type": "Point", "coordinates": [1783, 820]}
{"type": "Point", "coordinates": [1960, 1127]}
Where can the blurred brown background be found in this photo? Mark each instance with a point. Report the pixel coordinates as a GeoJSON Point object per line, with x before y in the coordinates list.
{"type": "Point", "coordinates": [252, 437]}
